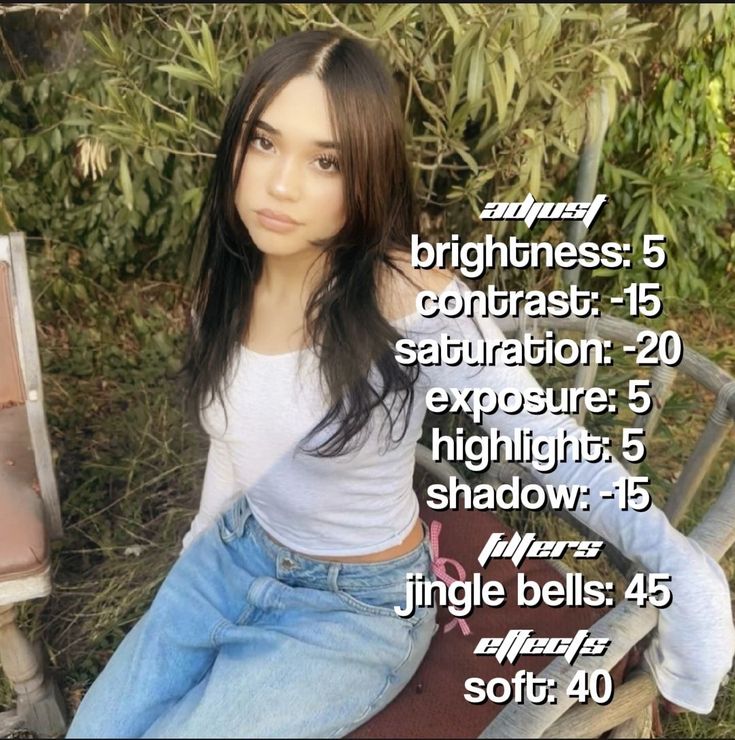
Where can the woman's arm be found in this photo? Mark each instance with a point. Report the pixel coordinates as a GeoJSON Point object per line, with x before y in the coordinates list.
{"type": "Point", "coordinates": [218, 490]}
{"type": "Point", "coordinates": [694, 646]}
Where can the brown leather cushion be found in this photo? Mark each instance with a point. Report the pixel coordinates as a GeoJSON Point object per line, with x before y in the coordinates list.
{"type": "Point", "coordinates": [24, 546]}
{"type": "Point", "coordinates": [11, 386]}
{"type": "Point", "coordinates": [433, 704]}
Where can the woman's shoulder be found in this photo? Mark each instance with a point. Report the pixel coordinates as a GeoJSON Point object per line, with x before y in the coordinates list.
{"type": "Point", "coordinates": [399, 288]}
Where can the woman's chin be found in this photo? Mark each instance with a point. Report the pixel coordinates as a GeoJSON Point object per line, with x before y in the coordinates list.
{"type": "Point", "coordinates": [279, 247]}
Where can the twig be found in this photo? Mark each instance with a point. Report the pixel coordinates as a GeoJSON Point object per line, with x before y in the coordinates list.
{"type": "Point", "coordinates": [173, 112]}
{"type": "Point", "coordinates": [38, 8]}
{"type": "Point", "coordinates": [344, 27]}
{"type": "Point", "coordinates": [16, 66]}
{"type": "Point", "coordinates": [107, 109]}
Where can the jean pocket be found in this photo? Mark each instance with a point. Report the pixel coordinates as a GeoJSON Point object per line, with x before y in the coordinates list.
{"type": "Point", "coordinates": [383, 603]}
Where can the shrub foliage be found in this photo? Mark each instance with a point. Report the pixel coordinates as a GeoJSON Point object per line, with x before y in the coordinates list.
{"type": "Point", "coordinates": [106, 156]}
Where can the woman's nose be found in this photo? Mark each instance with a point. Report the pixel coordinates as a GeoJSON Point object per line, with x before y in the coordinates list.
{"type": "Point", "coordinates": [284, 181]}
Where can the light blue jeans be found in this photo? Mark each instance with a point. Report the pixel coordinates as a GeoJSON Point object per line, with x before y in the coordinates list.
{"type": "Point", "coordinates": [246, 638]}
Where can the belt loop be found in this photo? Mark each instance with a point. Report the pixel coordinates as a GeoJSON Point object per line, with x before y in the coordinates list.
{"type": "Point", "coordinates": [237, 521]}
{"type": "Point", "coordinates": [332, 575]}
{"type": "Point", "coordinates": [243, 514]}
{"type": "Point", "coordinates": [427, 541]}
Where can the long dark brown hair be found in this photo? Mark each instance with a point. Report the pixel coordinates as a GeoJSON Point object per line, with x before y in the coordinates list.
{"type": "Point", "coordinates": [343, 321]}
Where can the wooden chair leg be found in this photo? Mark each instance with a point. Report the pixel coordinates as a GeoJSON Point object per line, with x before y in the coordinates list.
{"type": "Point", "coordinates": [640, 726]}
{"type": "Point", "coordinates": [40, 704]}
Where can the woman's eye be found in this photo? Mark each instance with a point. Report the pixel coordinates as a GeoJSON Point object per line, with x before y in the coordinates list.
{"type": "Point", "coordinates": [262, 142]}
{"type": "Point", "coordinates": [328, 164]}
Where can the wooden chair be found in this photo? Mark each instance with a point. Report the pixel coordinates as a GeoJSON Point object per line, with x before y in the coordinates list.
{"type": "Point", "coordinates": [432, 705]}
{"type": "Point", "coordinates": [29, 504]}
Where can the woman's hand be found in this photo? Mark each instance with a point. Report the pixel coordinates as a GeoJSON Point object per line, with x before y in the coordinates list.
{"type": "Point", "coordinates": [673, 708]}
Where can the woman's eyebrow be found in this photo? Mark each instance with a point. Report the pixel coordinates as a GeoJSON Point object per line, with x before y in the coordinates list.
{"type": "Point", "coordinates": [260, 123]}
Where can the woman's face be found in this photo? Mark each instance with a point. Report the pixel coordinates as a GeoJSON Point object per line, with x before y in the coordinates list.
{"type": "Point", "coordinates": [290, 190]}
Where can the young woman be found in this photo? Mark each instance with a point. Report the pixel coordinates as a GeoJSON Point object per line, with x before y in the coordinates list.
{"type": "Point", "coordinates": [277, 620]}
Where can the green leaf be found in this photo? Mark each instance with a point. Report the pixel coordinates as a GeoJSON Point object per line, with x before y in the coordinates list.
{"type": "Point", "coordinates": [210, 54]}
{"type": "Point", "coordinates": [44, 151]}
{"type": "Point", "coordinates": [208, 44]}
{"type": "Point", "coordinates": [429, 68]}
{"type": "Point", "coordinates": [468, 159]}
{"type": "Point", "coordinates": [476, 76]}
{"type": "Point", "coordinates": [122, 132]}
{"type": "Point", "coordinates": [501, 101]}
{"type": "Point", "coordinates": [535, 157]}
{"type": "Point", "coordinates": [183, 73]}
{"type": "Point", "coordinates": [561, 146]}
{"type": "Point", "coordinates": [32, 144]}
{"type": "Point", "coordinates": [167, 128]}
{"type": "Point", "coordinates": [188, 40]}
{"type": "Point", "coordinates": [640, 224]}
{"type": "Point", "coordinates": [512, 67]}
{"type": "Point", "coordinates": [520, 101]}
{"type": "Point", "coordinates": [191, 194]}
{"type": "Point", "coordinates": [56, 140]}
{"type": "Point", "coordinates": [126, 184]}
{"type": "Point", "coordinates": [94, 42]}
{"type": "Point", "coordinates": [451, 18]}
{"type": "Point", "coordinates": [635, 177]}
{"type": "Point", "coordinates": [43, 90]}
{"type": "Point", "coordinates": [392, 14]}
{"type": "Point", "coordinates": [604, 272]}
{"type": "Point", "coordinates": [668, 96]}
{"type": "Point", "coordinates": [529, 27]}
{"type": "Point", "coordinates": [661, 221]}
{"type": "Point", "coordinates": [615, 68]}
{"type": "Point", "coordinates": [19, 154]}
{"type": "Point", "coordinates": [75, 121]}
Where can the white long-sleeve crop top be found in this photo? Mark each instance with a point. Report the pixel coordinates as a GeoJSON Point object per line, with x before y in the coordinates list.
{"type": "Point", "coordinates": [364, 502]}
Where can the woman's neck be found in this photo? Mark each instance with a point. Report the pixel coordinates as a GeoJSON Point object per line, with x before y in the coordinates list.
{"type": "Point", "coordinates": [289, 277]}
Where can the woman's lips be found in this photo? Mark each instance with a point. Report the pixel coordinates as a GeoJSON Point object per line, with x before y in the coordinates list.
{"type": "Point", "coordinates": [273, 221]}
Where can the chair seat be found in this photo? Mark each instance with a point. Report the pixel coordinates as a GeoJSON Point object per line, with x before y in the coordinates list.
{"type": "Point", "coordinates": [24, 544]}
{"type": "Point", "coordinates": [433, 704]}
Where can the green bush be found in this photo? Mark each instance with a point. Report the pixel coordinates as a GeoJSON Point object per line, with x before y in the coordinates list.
{"type": "Point", "coordinates": [498, 102]}
{"type": "Point", "coordinates": [668, 153]}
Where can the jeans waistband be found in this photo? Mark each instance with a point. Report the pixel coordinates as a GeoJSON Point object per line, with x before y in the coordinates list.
{"type": "Point", "coordinates": [294, 566]}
